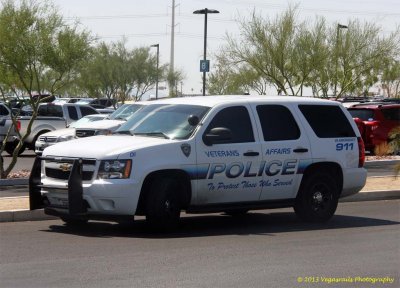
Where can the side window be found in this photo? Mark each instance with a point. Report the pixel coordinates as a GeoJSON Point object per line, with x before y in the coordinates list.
{"type": "Point", "coordinates": [237, 120]}
{"type": "Point", "coordinates": [87, 111]}
{"type": "Point", "coordinates": [3, 111]}
{"type": "Point", "coordinates": [277, 123]}
{"type": "Point", "coordinates": [327, 121]}
{"type": "Point", "coordinates": [73, 114]}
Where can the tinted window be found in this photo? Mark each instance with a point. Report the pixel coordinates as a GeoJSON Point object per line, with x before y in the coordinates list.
{"type": "Point", "coordinates": [237, 120]}
{"type": "Point", "coordinates": [50, 110]}
{"type": "Point", "coordinates": [277, 123]}
{"type": "Point", "coordinates": [73, 114]}
{"type": "Point", "coordinates": [87, 111]}
{"type": "Point", "coordinates": [327, 121]}
{"type": "Point", "coordinates": [391, 114]}
{"type": "Point", "coordinates": [363, 114]}
{"type": "Point", "coordinates": [3, 111]}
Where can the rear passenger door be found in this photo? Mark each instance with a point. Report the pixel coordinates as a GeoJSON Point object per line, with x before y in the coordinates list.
{"type": "Point", "coordinates": [285, 149]}
{"type": "Point", "coordinates": [227, 170]}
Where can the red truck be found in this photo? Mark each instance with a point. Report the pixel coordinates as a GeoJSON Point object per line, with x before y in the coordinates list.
{"type": "Point", "coordinates": [375, 121]}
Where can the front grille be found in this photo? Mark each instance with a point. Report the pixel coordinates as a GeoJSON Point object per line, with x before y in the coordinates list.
{"type": "Point", "coordinates": [64, 175]}
{"type": "Point", "coordinates": [48, 139]}
{"type": "Point", "coordinates": [61, 169]}
{"type": "Point", "coordinates": [84, 133]}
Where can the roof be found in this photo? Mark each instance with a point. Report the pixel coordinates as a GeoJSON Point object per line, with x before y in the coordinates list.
{"type": "Point", "coordinates": [374, 106]}
{"type": "Point", "coordinates": [211, 101]}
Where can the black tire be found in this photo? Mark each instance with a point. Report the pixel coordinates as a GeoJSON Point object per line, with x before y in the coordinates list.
{"type": "Point", "coordinates": [236, 212]}
{"type": "Point", "coordinates": [318, 198]}
{"type": "Point", "coordinates": [74, 221]}
{"type": "Point", "coordinates": [10, 147]}
{"type": "Point", "coordinates": [163, 205]}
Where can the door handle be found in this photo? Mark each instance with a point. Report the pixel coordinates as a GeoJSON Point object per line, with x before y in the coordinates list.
{"type": "Point", "coordinates": [251, 153]}
{"type": "Point", "coordinates": [300, 150]}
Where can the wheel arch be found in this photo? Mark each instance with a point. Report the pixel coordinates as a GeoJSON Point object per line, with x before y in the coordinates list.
{"type": "Point", "coordinates": [331, 168]}
{"type": "Point", "coordinates": [185, 191]}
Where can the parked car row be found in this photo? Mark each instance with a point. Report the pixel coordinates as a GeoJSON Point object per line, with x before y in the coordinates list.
{"type": "Point", "coordinates": [91, 125]}
{"type": "Point", "coordinates": [375, 120]}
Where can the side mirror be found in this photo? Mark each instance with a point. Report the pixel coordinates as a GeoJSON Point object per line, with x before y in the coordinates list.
{"type": "Point", "coordinates": [193, 120]}
{"type": "Point", "coordinates": [217, 135]}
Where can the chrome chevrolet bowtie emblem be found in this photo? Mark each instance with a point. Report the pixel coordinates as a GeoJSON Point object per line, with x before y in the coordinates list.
{"type": "Point", "coordinates": [65, 167]}
{"type": "Point", "coordinates": [186, 148]}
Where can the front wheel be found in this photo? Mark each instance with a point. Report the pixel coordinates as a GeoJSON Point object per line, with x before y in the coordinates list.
{"type": "Point", "coordinates": [163, 204]}
{"type": "Point", "coordinates": [318, 198]}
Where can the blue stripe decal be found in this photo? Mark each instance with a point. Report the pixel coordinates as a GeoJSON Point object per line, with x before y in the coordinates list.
{"type": "Point", "coordinates": [197, 171]}
{"type": "Point", "coordinates": [303, 164]}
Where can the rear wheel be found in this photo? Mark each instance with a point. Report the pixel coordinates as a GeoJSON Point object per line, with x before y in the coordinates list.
{"type": "Point", "coordinates": [318, 198]}
{"type": "Point", "coordinates": [10, 147]}
{"type": "Point", "coordinates": [163, 205]}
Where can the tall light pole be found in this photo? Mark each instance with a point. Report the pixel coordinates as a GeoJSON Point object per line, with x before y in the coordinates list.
{"type": "Point", "coordinates": [158, 57]}
{"type": "Point", "coordinates": [204, 65]}
{"type": "Point", "coordinates": [339, 26]}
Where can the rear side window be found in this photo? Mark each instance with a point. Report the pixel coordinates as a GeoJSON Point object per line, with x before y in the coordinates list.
{"type": "Point", "coordinates": [392, 114]}
{"type": "Point", "coordinates": [87, 111]}
{"type": "Point", "coordinates": [277, 123]}
{"type": "Point", "coordinates": [50, 111]}
{"type": "Point", "coordinates": [327, 121]}
{"type": "Point", "coordinates": [363, 114]}
{"type": "Point", "coordinates": [237, 120]}
{"type": "Point", "coordinates": [73, 114]}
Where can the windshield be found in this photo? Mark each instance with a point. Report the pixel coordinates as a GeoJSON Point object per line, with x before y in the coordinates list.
{"type": "Point", "coordinates": [84, 101]}
{"type": "Point", "coordinates": [124, 112]}
{"type": "Point", "coordinates": [163, 120]}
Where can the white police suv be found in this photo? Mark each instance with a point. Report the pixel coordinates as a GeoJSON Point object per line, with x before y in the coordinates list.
{"type": "Point", "coordinates": [206, 154]}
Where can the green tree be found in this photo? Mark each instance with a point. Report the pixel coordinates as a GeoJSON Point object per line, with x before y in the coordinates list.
{"type": "Point", "coordinates": [117, 72]}
{"type": "Point", "coordinates": [173, 78]}
{"type": "Point", "coordinates": [391, 77]}
{"type": "Point", "coordinates": [38, 53]}
{"type": "Point", "coordinates": [292, 55]}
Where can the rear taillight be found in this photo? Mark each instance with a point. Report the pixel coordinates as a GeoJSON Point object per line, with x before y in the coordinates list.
{"type": "Point", "coordinates": [18, 125]}
{"type": "Point", "coordinates": [361, 152]}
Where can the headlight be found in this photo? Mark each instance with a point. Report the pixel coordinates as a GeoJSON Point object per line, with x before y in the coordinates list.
{"type": "Point", "coordinates": [65, 138]}
{"type": "Point", "coordinates": [115, 169]}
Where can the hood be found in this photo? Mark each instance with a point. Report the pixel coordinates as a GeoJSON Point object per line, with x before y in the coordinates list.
{"type": "Point", "coordinates": [60, 132]}
{"type": "Point", "coordinates": [101, 147]}
{"type": "Point", "coordinates": [102, 124]}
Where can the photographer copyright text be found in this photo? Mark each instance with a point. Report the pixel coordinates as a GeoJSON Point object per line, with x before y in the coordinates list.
{"type": "Point", "coordinates": [350, 280]}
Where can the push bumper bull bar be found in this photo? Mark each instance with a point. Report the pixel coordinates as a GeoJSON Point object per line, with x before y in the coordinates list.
{"type": "Point", "coordinates": [76, 203]}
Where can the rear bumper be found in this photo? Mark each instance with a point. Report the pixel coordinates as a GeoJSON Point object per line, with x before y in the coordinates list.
{"type": "Point", "coordinates": [353, 181]}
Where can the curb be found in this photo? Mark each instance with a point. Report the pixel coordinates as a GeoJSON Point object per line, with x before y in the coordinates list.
{"type": "Point", "coordinates": [37, 215]}
{"type": "Point", "coordinates": [24, 215]}
{"type": "Point", "coordinates": [14, 182]}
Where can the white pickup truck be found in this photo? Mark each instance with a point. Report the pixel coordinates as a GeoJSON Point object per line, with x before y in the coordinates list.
{"type": "Point", "coordinates": [88, 127]}
{"type": "Point", "coordinates": [206, 154]}
{"type": "Point", "coordinates": [52, 116]}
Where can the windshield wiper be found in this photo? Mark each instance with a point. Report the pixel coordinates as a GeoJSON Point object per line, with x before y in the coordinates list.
{"type": "Point", "coordinates": [124, 132]}
{"type": "Point", "coordinates": [155, 134]}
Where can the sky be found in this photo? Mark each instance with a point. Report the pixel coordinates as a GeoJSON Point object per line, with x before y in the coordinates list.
{"type": "Point", "coordinates": [144, 23]}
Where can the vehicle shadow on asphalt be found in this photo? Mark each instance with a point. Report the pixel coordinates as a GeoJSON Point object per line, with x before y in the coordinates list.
{"type": "Point", "coordinates": [253, 223]}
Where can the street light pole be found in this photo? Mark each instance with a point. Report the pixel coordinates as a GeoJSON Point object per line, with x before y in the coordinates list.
{"type": "Point", "coordinates": [205, 12]}
{"type": "Point", "coordinates": [158, 57]}
{"type": "Point", "coordinates": [339, 26]}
